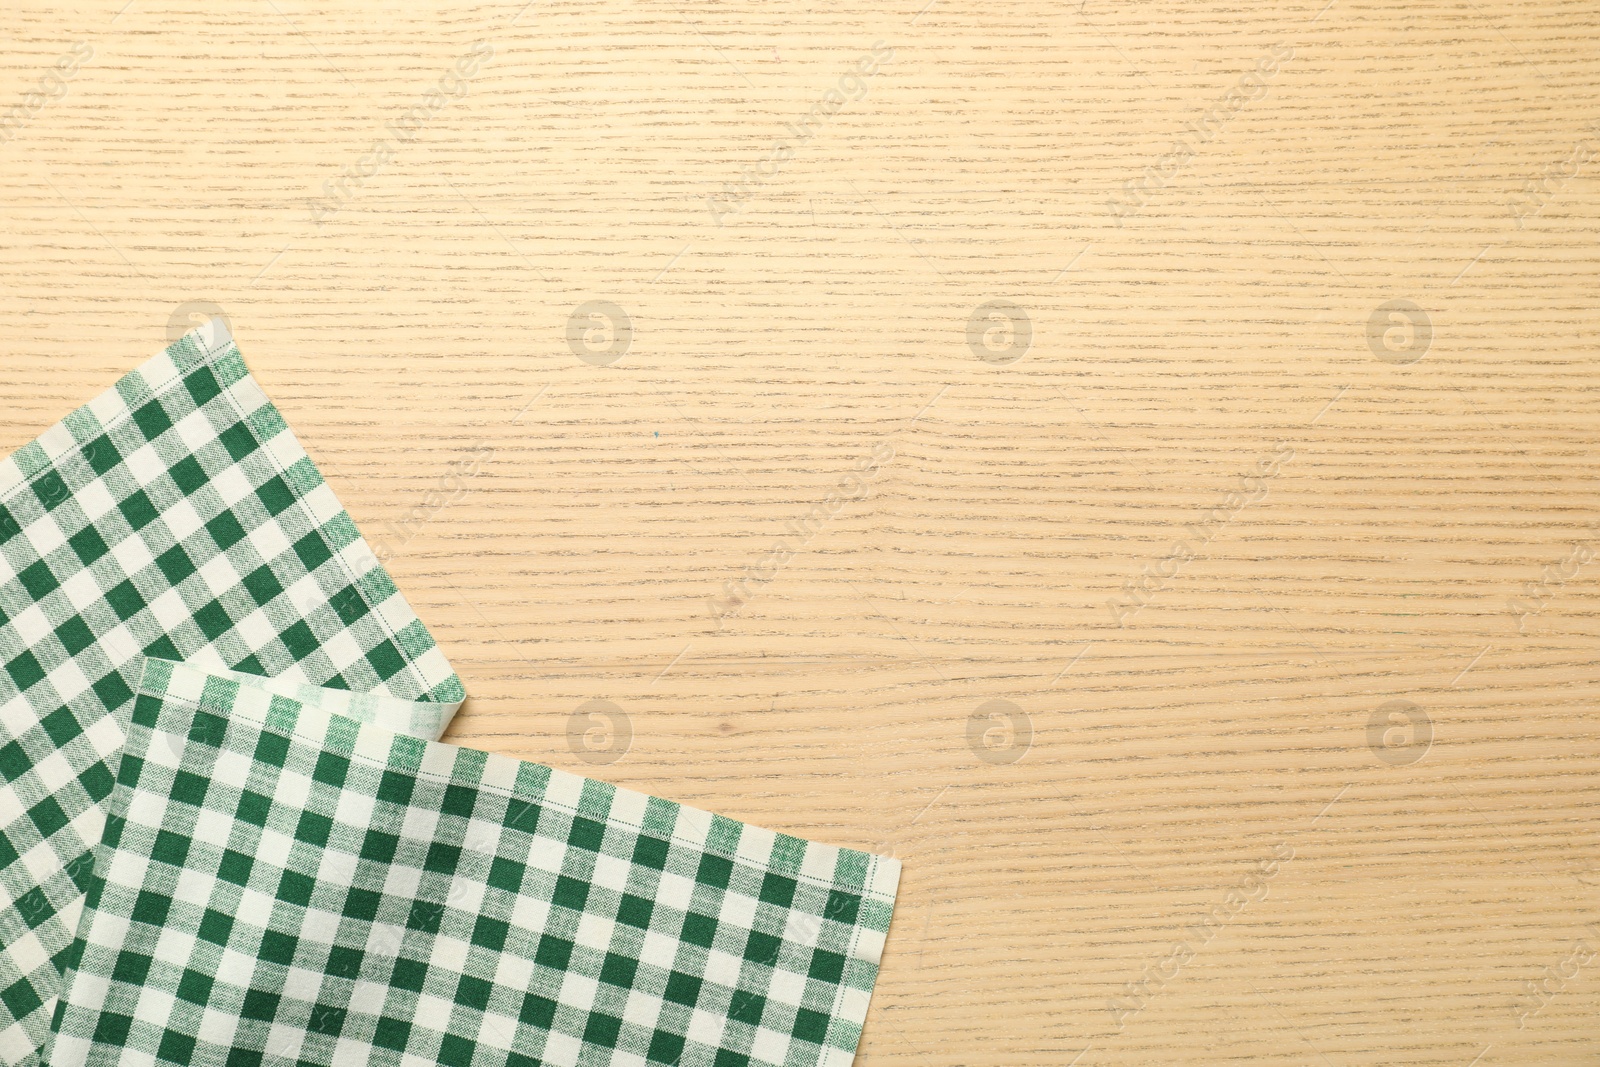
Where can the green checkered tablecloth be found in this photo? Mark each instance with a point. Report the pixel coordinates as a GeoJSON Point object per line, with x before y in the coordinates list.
{"type": "Point", "coordinates": [173, 516]}
{"type": "Point", "coordinates": [282, 886]}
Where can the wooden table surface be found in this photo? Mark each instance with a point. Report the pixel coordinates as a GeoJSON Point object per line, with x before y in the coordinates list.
{"type": "Point", "coordinates": [1134, 462]}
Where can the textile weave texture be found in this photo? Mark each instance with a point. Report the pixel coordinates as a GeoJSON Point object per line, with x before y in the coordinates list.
{"type": "Point", "coordinates": [173, 516]}
{"type": "Point", "coordinates": [280, 886]}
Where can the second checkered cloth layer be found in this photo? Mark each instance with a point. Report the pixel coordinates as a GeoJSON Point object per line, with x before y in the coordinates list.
{"type": "Point", "coordinates": [281, 887]}
{"type": "Point", "coordinates": [173, 516]}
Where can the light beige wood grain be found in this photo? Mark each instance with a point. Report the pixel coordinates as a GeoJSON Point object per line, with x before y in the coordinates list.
{"type": "Point", "coordinates": [1219, 323]}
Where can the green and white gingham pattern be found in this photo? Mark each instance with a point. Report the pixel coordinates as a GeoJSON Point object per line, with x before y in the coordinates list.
{"type": "Point", "coordinates": [175, 515]}
{"type": "Point", "coordinates": [282, 887]}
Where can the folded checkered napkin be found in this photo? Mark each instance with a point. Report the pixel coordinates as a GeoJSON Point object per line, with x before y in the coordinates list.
{"type": "Point", "coordinates": [283, 887]}
{"type": "Point", "coordinates": [174, 516]}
